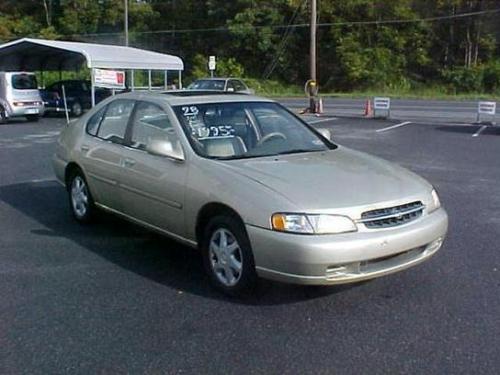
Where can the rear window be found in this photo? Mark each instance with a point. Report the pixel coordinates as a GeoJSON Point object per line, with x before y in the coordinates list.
{"type": "Point", "coordinates": [24, 82]}
{"type": "Point", "coordinates": [207, 84]}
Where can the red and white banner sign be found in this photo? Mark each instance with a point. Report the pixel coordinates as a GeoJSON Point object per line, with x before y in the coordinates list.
{"type": "Point", "coordinates": [111, 79]}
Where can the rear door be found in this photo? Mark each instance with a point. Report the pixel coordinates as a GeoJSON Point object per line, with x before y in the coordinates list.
{"type": "Point", "coordinates": [102, 151]}
{"type": "Point", "coordinates": [153, 187]}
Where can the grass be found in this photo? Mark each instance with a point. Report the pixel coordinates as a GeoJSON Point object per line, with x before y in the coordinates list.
{"type": "Point", "coordinates": [279, 89]}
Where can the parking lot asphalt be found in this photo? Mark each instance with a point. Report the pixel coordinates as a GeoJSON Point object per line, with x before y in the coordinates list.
{"type": "Point", "coordinates": [114, 298]}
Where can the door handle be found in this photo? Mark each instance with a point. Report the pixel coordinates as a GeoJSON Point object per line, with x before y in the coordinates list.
{"type": "Point", "coordinates": [85, 148]}
{"type": "Point", "coordinates": [128, 162]}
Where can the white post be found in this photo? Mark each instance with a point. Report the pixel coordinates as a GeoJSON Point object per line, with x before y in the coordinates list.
{"type": "Point", "coordinates": [149, 80]}
{"type": "Point", "coordinates": [132, 80]}
{"type": "Point", "coordinates": [165, 79]}
{"type": "Point", "coordinates": [65, 104]}
{"type": "Point", "coordinates": [180, 80]}
{"type": "Point", "coordinates": [92, 86]}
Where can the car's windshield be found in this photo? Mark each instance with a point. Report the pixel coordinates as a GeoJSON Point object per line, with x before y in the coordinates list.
{"type": "Point", "coordinates": [207, 84]}
{"type": "Point", "coordinates": [246, 130]}
{"type": "Point", "coordinates": [24, 82]}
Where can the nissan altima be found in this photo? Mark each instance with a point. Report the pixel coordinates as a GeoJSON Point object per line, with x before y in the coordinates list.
{"type": "Point", "coordinates": [257, 190]}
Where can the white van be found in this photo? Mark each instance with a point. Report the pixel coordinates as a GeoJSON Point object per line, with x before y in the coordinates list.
{"type": "Point", "coordinates": [19, 96]}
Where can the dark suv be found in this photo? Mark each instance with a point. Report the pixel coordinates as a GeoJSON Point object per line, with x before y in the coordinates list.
{"type": "Point", "coordinates": [78, 96]}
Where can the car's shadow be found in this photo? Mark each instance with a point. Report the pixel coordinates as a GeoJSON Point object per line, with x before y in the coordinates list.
{"type": "Point", "coordinates": [128, 246]}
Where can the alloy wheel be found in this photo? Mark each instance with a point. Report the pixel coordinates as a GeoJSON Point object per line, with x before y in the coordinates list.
{"type": "Point", "coordinates": [79, 197]}
{"type": "Point", "coordinates": [225, 257]}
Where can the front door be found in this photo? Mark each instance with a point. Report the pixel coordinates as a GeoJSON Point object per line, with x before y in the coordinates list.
{"type": "Point", "coordinates": [153, 187]}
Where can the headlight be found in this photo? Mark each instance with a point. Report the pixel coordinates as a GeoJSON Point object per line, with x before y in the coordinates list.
{"type": "Point", "coordinates": [312, 224]}
{"type": "Point", "coordinates": [435, 203]}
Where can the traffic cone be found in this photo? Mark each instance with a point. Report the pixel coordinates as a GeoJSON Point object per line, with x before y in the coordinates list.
{"type": "Point", "coordinates": [319, 110]}
{"type": "Point", "coordinates": [368, 108]}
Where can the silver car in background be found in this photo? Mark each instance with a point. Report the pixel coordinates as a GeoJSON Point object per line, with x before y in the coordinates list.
{"type": "Point", "coordinates": [19, 96]}
{"type": "Point", "coordinates": [251, 185]}
{"type": "Point", "coordinates": [221, 84]}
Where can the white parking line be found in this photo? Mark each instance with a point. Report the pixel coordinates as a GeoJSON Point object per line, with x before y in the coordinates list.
{"type": "Point", "coordinates": [479, 131]}
{"type": "Point", "coordinates": [322, 120]}
{"type": "Point", "coordinates": [393, 126]}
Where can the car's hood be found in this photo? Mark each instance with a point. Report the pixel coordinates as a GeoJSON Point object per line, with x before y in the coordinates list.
{"type": "Point", "coordinates": [333, 179]}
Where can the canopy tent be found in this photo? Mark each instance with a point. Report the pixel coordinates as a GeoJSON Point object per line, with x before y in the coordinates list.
{"type": "Point", "coordinates": [49, 55]}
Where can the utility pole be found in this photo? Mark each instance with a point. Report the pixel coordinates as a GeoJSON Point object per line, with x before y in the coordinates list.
{"type": "Point", "coordinates": [126, 22]}
{"type": "Point", "coordinates": [312, 57]}
{"type": "Point", "coordinates": [312, 48]}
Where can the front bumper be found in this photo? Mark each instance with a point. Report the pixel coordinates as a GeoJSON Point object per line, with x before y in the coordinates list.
{"type": "Point", "coordinates": [345, 258]}
{"type": "Point", "coordinates": [56, 109]}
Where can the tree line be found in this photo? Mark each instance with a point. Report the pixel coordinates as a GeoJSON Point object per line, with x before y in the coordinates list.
{"type": "Point", "coordinates": [362, 44]}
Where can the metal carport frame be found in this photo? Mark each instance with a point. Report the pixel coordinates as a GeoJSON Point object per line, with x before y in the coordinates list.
{"type": "Point", "coordinates": [50, 55]}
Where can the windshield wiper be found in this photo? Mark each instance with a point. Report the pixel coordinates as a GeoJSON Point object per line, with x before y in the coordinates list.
{"type": "Point", "coordinates": [297, 151]}
{"type": "Point", "coordinates": [249, 156]}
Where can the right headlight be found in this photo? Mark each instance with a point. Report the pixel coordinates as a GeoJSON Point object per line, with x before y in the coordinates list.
{"type": "Point", "coordinates": [312, 224]}
{"type": "Point", "coordinates": [435, 203]}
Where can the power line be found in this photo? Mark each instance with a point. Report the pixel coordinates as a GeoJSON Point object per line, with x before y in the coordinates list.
{"type": "Point", "coordinates": [286, 35]}
{"type": "Point", "coordinates": [304, 25]}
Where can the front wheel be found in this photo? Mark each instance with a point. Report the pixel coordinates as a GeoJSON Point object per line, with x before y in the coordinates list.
{"type": "Point", "coordinates": [80, 199]}
{"type": "Point", "coordinates": [76, 109]}
{"type": "Point", "coordinates": [228, 256]}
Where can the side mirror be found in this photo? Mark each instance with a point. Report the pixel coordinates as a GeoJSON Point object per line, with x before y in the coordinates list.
{"type": "Point", "coordinates": [230, 89]}
{"type": "Point", "coordinates": [166, 148]}
{"type": "Point", "coordinates": [325, 133]}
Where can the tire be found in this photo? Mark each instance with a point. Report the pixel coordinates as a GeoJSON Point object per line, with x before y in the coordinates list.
{"type": "Point", "coordinates": [81, 202]}
{"type": "Point", "coordinates": [3, 115]}
{"type": "Point", "coordinates": [76, 109]}
{"type": "Point", "coordinates": [232, 268]}
{"type": "Point", "coordinates": [33, 118]}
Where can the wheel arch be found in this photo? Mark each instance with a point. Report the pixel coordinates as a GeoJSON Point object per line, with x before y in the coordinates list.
{"type": "Point", "coordinates": [69, 170]}
{"type": "Point", "coordinates": [211, 210]}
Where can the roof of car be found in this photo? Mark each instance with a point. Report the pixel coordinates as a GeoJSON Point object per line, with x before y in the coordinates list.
{"type": "Point", "coordinates": [71, 80]}
{"type": "Point", "coordinates": [217, 79]}
{"type": "Point", "coordinates": [179, 97]}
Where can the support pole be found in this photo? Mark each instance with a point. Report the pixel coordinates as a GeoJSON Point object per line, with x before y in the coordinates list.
{"type": "Point", "coordinates": [92, 86]}
{"type": "Point", "coordinates": [180, 79]}
{"type": "Point", "coordinates": [132, 80]}
{"type": "Point", "coordinates": [149, 80]}
{"type": "Point", "coordinates": [165, 79]}
{"type": "Point", "coordinates": [65, 104]}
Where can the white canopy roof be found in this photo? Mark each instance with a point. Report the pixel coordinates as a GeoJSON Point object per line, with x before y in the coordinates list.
{"type": "Point", "coordinates": [40, 54]}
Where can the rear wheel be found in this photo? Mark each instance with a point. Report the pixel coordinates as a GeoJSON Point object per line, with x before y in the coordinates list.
{"type": "Point", "coordinates": [80, 199]}
{"type": "Point", "coordinates": [228, 256]}
{"type": "Point", "coordinates": [33, 118]}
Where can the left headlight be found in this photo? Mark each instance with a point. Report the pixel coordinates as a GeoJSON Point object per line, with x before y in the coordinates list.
{"type": "Point", "coordinates": [312, 224]}
{"type": "Point", "coordinates": [435, 202]}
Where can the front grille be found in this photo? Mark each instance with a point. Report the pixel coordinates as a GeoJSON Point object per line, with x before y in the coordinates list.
{"type": "Point", "coordinates": [392, 216]}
